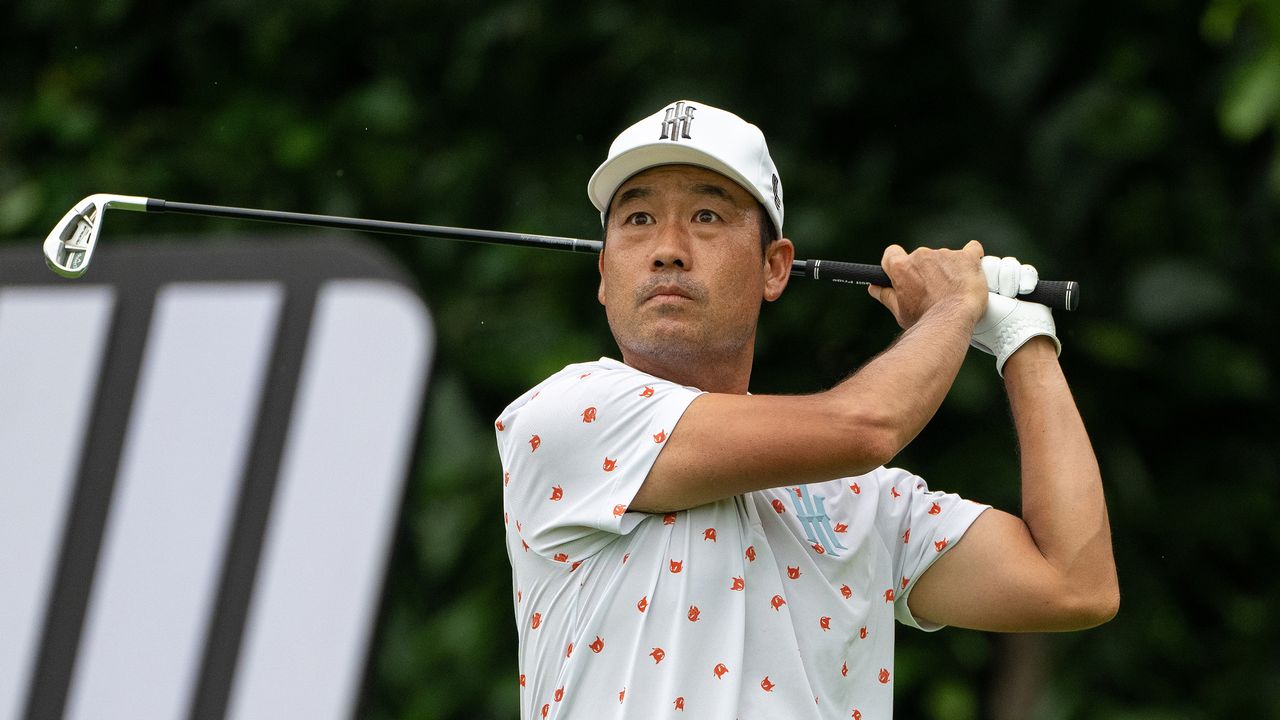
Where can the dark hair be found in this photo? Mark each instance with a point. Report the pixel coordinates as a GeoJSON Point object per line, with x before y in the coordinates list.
{"type": "Point", "coordinates": [768, 231]}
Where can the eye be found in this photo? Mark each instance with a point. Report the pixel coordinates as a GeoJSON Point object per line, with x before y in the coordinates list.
{"type": "Point", "coordinates": [705, 216]}
{"type": "Point", "coordinates": [640, 218]}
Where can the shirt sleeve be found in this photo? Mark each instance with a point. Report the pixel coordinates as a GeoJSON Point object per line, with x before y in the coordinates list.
{"type": "Point", "coordinates": [576, 451]}
{"type": "Point", "coordinates": [918, 526]}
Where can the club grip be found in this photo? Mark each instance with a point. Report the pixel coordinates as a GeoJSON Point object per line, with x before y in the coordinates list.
{"type": "Point", "coordinates": [1057, 294]}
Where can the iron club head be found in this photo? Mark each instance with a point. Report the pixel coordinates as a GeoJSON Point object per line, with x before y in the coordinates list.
{"type": "Point", "coordinates": [69, 246]}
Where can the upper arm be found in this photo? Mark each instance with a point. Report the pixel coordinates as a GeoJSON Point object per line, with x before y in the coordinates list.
{"type": "Point", "coordinates": [995, 578]}
{"type": "Point", "coordinates": [726, 445]}
{"type": "Point", "coordinates": [575, 451]}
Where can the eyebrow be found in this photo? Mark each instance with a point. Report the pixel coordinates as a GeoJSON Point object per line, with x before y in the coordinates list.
{"type": "Point", "coordinates": [641, 192]}
{"type": "Point", "coordinates": [713, 190]}
{"type": "Point", "coordinates": [635, 193]}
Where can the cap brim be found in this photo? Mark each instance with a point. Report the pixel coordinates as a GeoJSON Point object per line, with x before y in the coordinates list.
{"type": "Point", "coordinates": [614, 172]}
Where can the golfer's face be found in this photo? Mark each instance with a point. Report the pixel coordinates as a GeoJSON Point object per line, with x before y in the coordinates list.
{"type": "Point", "coordinates": [682, 271]}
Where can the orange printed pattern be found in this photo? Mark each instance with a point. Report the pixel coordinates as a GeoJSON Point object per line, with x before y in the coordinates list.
{"type": "Point", "coordinates": [579, 434]}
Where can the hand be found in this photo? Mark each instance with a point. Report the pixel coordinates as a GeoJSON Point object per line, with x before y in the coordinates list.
{"type": "Point", "coordinates": [1007, 323]}
{"type": "Point", "coordinates": [929, 278]}
{"type": "Point", "coordinates": [1008, 277]}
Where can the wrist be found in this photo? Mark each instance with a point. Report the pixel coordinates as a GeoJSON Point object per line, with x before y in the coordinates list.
{"type": "Point", "coordinates": [958, 311]}
{"type": "Point", "coordinates": [1036, 352]}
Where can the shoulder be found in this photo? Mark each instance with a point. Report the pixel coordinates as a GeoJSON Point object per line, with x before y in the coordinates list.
{"type": "Point", "coordinates": [603, 377]}
{"type": "Point", "coordinates": [581, 391]}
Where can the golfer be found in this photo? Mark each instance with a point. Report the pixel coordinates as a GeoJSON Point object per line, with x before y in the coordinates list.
{"type": "Point", "coordinates": [682, 548]}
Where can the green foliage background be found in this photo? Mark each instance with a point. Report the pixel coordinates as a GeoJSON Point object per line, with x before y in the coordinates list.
{"type": "Point", "coordinates": [1130, 146]}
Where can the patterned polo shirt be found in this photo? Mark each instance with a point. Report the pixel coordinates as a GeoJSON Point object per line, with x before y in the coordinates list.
{"type": "Point", "coordinates": [776, 603]}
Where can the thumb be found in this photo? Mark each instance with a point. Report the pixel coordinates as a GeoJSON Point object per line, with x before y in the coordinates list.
{"type": "Point", "coordinates": [885, 296]}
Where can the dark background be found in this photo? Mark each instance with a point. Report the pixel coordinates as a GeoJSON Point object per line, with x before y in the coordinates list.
{"type": "Point", "coordinates": [1129, 146]}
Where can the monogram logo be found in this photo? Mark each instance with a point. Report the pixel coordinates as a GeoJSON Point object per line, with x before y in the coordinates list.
{"type": "Point", "coordinates": [677, 121]}
{"type": "Point", "coordinates": [817, 525]}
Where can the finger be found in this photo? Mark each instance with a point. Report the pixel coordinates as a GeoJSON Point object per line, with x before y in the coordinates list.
{"type": "Point", "coordinates": [891, 252]}
{"type": "Point", "coordinates": [974, 248]}
{"type": "Point", "coordinates": [885, 297]}
{"type": "Point", "coordinates": [1010, 269]}
{"type": "Point", "coordinates": [1028, 280]}
{"type": "Point", "coordinates": [991, 269]}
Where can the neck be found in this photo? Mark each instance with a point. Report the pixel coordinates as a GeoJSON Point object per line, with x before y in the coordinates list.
{"type": "Point", "coordinates": [730, 374]}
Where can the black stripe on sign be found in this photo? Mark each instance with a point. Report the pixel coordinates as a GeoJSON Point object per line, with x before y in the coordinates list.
{"type": "Point", "coordinates": [226, 630]}
{"type": "Point", "coordinates": [86, 519]}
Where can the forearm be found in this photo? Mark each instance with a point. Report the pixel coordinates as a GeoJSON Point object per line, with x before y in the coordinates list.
{"type": "Point", "coordinates": [901, 388]}
{"type": "Point", "coordinates": [1063, 504]}
{"type": "Point", "coordinates": [851, 429]}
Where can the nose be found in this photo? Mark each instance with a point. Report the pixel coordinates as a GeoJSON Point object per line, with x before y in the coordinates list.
{"type": "Point", "coordinates": [672, 250]}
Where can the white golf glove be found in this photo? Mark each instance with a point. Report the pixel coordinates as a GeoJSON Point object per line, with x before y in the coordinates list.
{"type": "Point", "coordinates": [1009, 323]}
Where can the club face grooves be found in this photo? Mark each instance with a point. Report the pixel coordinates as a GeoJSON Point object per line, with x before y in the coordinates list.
{"type": "Point", "coordinates": [69, 246]}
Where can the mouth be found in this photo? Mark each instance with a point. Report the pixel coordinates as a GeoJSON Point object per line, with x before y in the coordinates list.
{"type": "Point", "coordinates": [668, 294]}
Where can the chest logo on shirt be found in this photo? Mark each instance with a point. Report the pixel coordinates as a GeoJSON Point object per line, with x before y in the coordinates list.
{"type": "Point", "coordinates": [589, 415]}
{"type": "Point", "coordinates": [817, 524]}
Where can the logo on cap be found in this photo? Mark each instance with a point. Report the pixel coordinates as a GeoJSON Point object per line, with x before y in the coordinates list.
{"type": "Point", "coordinates": [676, 123]}
{"type": "Point", "coordinates": [777, 197]}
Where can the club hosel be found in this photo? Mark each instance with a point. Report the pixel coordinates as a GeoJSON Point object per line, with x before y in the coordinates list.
{"type": "Point", "coordinates": [132, 203]}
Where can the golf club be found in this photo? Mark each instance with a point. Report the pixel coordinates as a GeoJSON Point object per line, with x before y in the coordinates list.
{"type": "Point", "coordinates": [69, 246]}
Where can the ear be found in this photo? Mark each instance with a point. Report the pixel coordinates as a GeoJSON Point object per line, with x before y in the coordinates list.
{"type": "Point", "coordinates": [777, 267]}
{"type": "Point", "coordinates": [600, 269]}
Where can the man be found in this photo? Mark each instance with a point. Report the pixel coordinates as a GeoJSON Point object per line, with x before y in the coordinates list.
{"type": "Point", "coordinates": [680, 546]}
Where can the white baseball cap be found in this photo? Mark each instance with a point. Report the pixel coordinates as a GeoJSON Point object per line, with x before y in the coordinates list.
{"type": "Point", "coordinates": [688, 132]}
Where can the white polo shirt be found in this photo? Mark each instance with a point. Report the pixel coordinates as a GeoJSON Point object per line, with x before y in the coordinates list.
{"type": "Point", "coordinates": [777, 603]}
